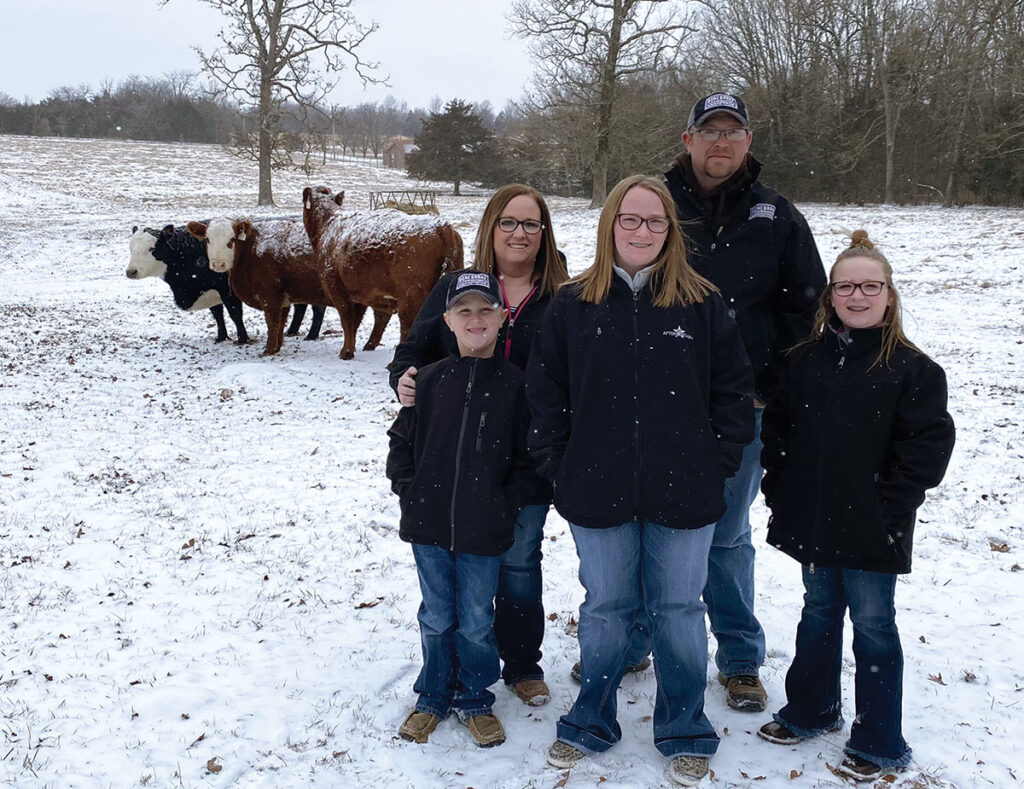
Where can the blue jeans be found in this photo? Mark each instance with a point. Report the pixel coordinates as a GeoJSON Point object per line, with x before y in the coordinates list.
{"type": "Point", "coordinates": [813, 690]}
{"type": "Point", "coordinates": [460, 654]}
{"type": "Point", "coordinates": [729, 593]}
{"type": "Point", "coordinates": [625, 570]}
{"type": "Point", "coordinates": [518, 607]}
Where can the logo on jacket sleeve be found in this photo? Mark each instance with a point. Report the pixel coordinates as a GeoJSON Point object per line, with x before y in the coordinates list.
{"type": "Point", "coordinates": [762, 211]}
{"type": "Point", "coordinates": [679, 333]}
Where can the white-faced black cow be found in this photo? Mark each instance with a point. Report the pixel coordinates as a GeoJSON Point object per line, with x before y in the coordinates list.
{"type": "Point", "coordinates": [180, 261]}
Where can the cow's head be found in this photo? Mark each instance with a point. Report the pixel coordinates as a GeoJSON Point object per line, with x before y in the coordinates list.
{"type": "Point", "coordinates": [317, 207]}
{"type": "Point", "coordinates": [221, 237]}
{"type": "Point", "coordinates": [141, 263]}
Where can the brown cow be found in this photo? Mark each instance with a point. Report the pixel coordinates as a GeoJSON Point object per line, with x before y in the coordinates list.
{"type": "Point", "coordinates": [270, 266]}
{"type": "Point", "coordinates": [384, 259]}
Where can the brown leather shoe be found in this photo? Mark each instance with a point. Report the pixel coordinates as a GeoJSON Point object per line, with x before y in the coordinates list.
{"type": "Point", "coordinates": [418, 726]}
{"type": "Point", "coordinates": [486, 730]}
{"type": "Point", "coordinates": [532, 692]}
{"type": "Point", "coordinates": [775, 732]}
{"type": "Point", "coordinates": [745, 692]}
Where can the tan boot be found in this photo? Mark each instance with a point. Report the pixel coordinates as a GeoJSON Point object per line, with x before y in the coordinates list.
{"type": "Point", "coordinates": [418, 726]}
{"type": "Point", "coordinates": [745, 692]}
{"type": "Point", "coordinates": [486, 730]}
{"type": "Point", "coordinates": [533, 692]}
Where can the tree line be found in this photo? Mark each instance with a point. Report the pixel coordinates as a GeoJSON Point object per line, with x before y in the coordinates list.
{"type": "Point", "coordinates": [897, 101]}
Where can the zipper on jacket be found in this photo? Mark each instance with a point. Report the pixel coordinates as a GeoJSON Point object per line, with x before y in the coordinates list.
{"type": "Point", "coordinates": [636, 404]}
{"type": "Point", "coordinates": [480, 431]}
{"type": "Point", "coordinates": [511, 317]}
{"type": "Point", "coordinates": [458, 451]}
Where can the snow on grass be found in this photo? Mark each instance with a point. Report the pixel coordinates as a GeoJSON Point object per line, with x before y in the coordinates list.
{"type": "Point", "coordinates": [202, 582]}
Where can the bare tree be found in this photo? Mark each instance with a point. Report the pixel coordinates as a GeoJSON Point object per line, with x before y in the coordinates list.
{"type": "Point", "coordinates": [277, 57]}
{"type": "Point", "coordinates": [584, 50]}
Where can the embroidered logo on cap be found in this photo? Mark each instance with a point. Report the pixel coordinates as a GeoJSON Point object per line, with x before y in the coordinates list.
{"type": "Point", "coordinates": [762, 211]}
{"type": "Point", "coordinates": [720, 100]}
{"type": "Point", "coordinates": [475, 278]}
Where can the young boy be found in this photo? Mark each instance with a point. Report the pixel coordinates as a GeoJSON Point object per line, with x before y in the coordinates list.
{"type": "Point", "coordinates": [459, 464]}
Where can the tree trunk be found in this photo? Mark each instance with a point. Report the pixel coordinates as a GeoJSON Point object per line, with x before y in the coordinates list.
{"type": "Point", "coordinates": [458, 181]}
{"type": "Point", "coordinates": [266, 144]}
{"type": "Point", "coordinates": [606, 101]}
{"type": "Point", "coordinates": [891, 116]}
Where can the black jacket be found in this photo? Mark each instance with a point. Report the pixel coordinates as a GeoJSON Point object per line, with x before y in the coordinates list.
{"type": "Point", "coordinates": [758, 250]}
{"type": "Point", "coordinates": [430, 339]}
{"type": "Point", "coordinates": [639, 412]}
{"type": "Point", "coordinates": [850, 451]}
{"type": "Point", "coordinates": [458, 458]}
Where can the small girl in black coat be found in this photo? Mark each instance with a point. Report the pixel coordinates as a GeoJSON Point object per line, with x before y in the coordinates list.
{"type": "Point", "coordinates": [854, 435]}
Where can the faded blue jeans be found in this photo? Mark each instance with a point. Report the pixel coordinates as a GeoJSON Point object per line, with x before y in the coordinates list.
{"type": "Point", "coordinates": [460, 653]}
{"type": "Point", "coordinates": [625, 570]}
{"type": "Point", "coordinates": [813, 689]}
{"type": "Point", "coordinates": [729, 593]}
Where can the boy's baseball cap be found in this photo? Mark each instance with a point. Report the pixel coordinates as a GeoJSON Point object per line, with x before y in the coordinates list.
{"type": "Point", "coordinates": [718, 102]}
{"type": "Point", "coordinates": [473, 281]}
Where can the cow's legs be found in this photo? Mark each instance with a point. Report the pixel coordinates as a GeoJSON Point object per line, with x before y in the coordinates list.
{"type": "Point", "coordinates": [298, 313]}
{"type": "Point", "coordinates": [380, 322]}
{"type": "Point", "coordinates": [318, 321]}
{"type": "Point", "coordinates": [276, 318]}
{"type": "Point", "coordinates": [350, 321]}
{"type": "Point", "coordinates": [217, 310]}
{"type": "Point", "coordinates": [234, 306]}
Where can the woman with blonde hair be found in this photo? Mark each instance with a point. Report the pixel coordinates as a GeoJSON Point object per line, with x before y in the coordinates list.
{"type": "Point", "coordinates": [641, 400]}
{"type": "Point", "coordinates": [514, 242]}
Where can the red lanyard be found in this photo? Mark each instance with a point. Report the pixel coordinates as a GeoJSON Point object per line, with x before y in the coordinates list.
{"type": "Point", "coordinates": [511, 320]}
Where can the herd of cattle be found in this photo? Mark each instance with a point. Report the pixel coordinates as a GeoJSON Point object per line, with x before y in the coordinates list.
{"type": "Point", "coordinates": [385, 260]}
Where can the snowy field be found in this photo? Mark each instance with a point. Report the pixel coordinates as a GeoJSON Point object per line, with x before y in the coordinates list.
{"type": "Point", "coordinates": [202, 582]}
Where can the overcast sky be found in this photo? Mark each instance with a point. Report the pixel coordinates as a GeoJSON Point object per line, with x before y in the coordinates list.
{"type": "Point", "coordinates": [444, 48]}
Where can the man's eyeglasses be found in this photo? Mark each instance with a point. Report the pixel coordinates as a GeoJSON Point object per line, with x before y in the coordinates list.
{"type": "Point", "coordinates": [656, 224]}
{"type": "Point", "coordinates": [530, 226]}
{"type": "Point", "coordinates": [713, 135]}
{"type": "Point", "coordinates": [869, 288]}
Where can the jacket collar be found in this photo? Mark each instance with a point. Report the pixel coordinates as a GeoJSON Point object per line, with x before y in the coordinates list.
{"type": "Point", "coordinates": [719, 204]}
{"type": "Point", "coordinates": [853, 342]}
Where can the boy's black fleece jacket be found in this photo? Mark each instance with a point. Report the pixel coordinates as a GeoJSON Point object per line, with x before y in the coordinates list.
{"type": "Point", "coordinates": [458, 459]}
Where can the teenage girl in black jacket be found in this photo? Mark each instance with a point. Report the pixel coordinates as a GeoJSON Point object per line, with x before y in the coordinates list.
{"type": "Point", "coordinates": [641, 398]}
{"type": "Point", "coordinates": [854, 434]}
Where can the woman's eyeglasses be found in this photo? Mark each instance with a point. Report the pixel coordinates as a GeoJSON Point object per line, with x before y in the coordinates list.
{"type": "Point", "coordinates": [531, 227]}
{"type": "Point", "coordinates": [869, 288]}
{"type": "Point", "coordinates": [656, 224]}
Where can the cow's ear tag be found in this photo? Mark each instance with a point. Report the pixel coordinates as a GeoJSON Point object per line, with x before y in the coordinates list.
{"type": "Point", "coordinates": [307, 205]}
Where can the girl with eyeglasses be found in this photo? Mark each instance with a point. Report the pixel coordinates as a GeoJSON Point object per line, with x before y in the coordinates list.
{"type": "Point", "coordinates": [854, 434]}
{"type": "Point", "coordinates": [641, 397]}
{"type": "Point", "coordinates": [514, 242]}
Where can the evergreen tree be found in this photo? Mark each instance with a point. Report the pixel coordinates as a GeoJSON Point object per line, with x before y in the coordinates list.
{"type": "Point", "coordinates": [455, 146]}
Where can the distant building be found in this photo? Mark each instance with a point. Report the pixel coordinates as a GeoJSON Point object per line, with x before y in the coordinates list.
{"type": "Point", "coordinates": [396, 151]}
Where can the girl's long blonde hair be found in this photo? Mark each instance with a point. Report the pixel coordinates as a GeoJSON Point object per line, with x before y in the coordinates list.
{"type": "Point", "coordinates": [549, 268]}
{"type": "Point", "coordinates": [892, 321]}
{"type": "Point", "coordinates": [673, 280]}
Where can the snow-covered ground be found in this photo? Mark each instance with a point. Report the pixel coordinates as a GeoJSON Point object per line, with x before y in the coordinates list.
{"type": "Point", "coordinates": [201, 582]}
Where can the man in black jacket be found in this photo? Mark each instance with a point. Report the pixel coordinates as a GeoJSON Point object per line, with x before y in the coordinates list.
{"type": "Point", "coordinates": [757, 248]}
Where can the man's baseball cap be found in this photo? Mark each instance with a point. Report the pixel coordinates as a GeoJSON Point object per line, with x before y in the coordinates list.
{"type": "Point", "coordinates": [718, 102]}
{"type": "Point", "coordinates": [473, 281]}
